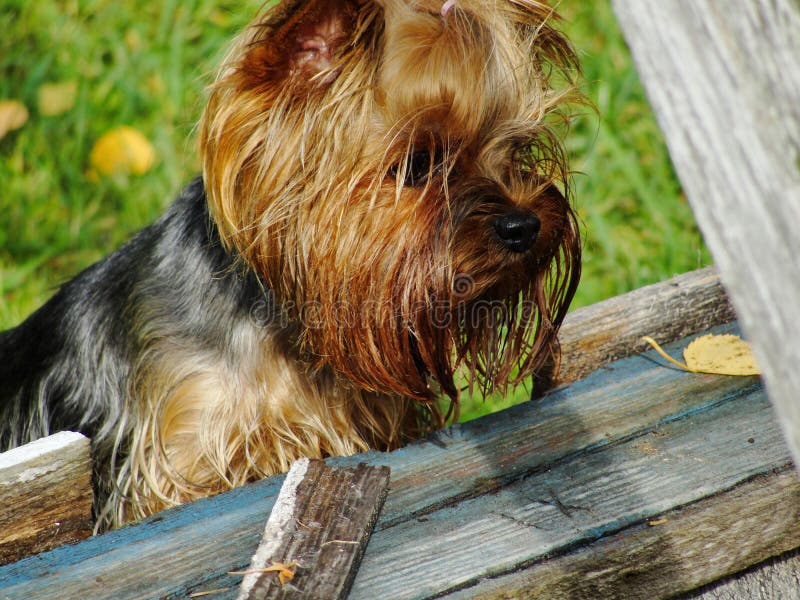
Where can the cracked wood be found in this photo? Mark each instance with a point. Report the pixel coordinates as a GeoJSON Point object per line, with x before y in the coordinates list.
{"type": "Point", "coordinates": [317, 532]}
{"type": "Point", "coordinates": [45, 495]}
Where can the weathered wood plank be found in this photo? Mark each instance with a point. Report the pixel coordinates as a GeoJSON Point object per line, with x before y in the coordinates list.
{"type": "Point", "coordinates": [659, 557]}
{"type": "Point", "coordinates": [193, 547]}
{"type": "Point", "coordinates": [317, 531]}
{"type": "Point", "coordinates": [615, 491]}
{"type": "Point", "coordinates": [45, 495]}
{"type": "Point", "coordinates": [777, 578]}
{"type": "Point", "coordinates": [724, 82]}
{"type": "Point", "coordinates": [172, 554]}
{"type": "Point", "coordinates": [610, 405]}
{"type": "Point", "coordinates": [596, 335]}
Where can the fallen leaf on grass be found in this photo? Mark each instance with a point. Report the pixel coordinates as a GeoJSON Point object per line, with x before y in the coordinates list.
{"type": "Point", "coordinates": [122, 150]}
{"type": "Point", "coordinates": [57, 98]}
{"type": "Point", "coordinates": [13, 115]}
{"type": "Point", "coordinates": [716, 354]}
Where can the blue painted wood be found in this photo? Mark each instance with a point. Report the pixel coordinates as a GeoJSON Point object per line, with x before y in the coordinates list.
{"type": "Point", "coordinates": [150, 559]}
{"type": "Point", "coordinates": [481, 465]}
{"type": "Point", "coordinates": [577, 501]}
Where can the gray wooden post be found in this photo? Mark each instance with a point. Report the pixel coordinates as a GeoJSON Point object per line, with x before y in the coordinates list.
{"type": "Point", "coordinates": [724, 80]}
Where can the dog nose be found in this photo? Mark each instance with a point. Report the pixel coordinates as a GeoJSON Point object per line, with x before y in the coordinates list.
{"type": "Point", "coordinates": [517, 231]}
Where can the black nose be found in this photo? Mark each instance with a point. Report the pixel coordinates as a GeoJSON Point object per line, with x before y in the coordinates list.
{"type": "Point", "coordinates": [517, 231]}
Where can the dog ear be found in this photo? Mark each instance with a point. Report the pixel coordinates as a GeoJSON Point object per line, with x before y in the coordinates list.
{"type": "Point", "coordinates": [303, 38]}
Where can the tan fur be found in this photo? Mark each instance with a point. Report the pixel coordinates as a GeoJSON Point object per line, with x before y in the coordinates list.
{"type": "Point", "coordinates": [205, 426]}
{"type": "Point", "coordinates": [295, 167]}
{"type": "Point", "coordinates": [391, 288]}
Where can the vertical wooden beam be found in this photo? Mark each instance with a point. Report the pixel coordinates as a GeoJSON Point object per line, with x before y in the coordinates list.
{"type": "Point", "coordinates": [724, 81]}
{"type": "Point", "coordinates": [45, 495]}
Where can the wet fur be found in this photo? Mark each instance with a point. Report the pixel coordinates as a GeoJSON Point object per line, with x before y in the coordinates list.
{"type": "Point", "coordinates": [307, 297]}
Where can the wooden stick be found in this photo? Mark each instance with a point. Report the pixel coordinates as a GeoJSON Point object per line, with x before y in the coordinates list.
{"type": "Point", "coordinates": [317, 532]}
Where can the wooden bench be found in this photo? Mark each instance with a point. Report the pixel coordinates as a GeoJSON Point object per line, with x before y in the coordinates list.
{"type": "Point", "coordinates": [631, 478]}
{"type": "Point", "coordinates": [638, 478]}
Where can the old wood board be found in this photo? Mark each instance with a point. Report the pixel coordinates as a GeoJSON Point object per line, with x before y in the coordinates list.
{"type": "Point", "coordinates": [45, 495]}
{"type": "Point", "coordinates": [613, 329]}
{"type": "Point", "coordinates": [578, 475]}
{"type": "Point", "coordinates": [591, 463]}
{"type": "Point", "coordinates": [777, 578]}
{"type": "Point", "coordinates": [317, 532]}
{"type": "Point", "coordinates": [591, 526]}
{"type": "Point", "coordinates": [724, 81]}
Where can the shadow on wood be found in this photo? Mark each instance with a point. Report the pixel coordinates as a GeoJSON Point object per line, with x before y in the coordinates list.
{"type": "Point", "coordinates": [638, 480]}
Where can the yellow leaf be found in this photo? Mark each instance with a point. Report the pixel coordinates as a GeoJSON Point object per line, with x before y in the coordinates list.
{"type": "Point", "coordinates": [57, 98]}
{"type": "Point", "coordinates": [285, 571]}
{"type": "Point", "coordinates": [122, 150]}
{"type": "Point", "coordinates": [219, 18]}
{"type": "Point", "coordinates": [715, 354]}
{"type": "Point", "coordinates": [13, 115]}
{"type": "Point", "coordinates": [133, 40]}
{"type": "Point", "coordinates": [721, 354]}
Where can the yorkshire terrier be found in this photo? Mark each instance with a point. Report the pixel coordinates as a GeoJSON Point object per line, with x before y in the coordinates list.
{"type": "Point", "coordinates": [382, 220]}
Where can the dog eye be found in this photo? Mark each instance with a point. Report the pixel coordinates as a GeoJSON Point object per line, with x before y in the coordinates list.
{"type": "Point", "coordinates": [420, 165]}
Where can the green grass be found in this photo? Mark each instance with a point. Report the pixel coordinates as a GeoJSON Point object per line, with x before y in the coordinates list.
{"type": "Point", "coordinates": [139, 64]}
{"type": "Point", "coordinates": [146, 64]}
{"type": "Point", "coordinates": [639, 228]}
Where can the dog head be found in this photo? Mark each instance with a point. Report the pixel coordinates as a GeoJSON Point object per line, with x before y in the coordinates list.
{"type": "Point", "coordinates": [390, 170]}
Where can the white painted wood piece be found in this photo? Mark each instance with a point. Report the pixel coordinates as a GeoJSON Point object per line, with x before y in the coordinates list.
{"type": "Point", "coordinates": [45, 495]}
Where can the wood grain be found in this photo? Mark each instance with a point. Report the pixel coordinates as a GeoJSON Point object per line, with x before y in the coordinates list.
{"type": "Point", "coordinates": [673, 552]}
{"type": "Point", "coordinates": [628, 443]}
{"type": "Point", "coordinates": [318, 529]}
{"type": "Point", "coordinates": [596, 335]}
{"type": "Point", "coordinates": [485, 543]}
{"type": "Point", "coordinates": [778, 577]}
{"type": "Point", "coordinates": [45, 495]}
{"type": "Point", "coordinates": [724, 84]}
